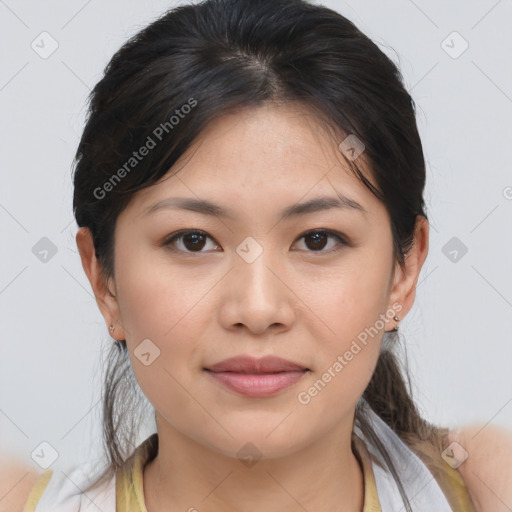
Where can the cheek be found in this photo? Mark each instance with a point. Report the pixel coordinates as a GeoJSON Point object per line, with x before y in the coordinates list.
{"type": "Point", "coordinates": [155, 297]}
{"type": "Point", "coordinates": [349, 300]}
{"type": "Point", "coordinates": [165, 305]}
{"type": "Point", "coordinates": [346, 356]}
{"type": "Point", "coordinates": [350, 309]}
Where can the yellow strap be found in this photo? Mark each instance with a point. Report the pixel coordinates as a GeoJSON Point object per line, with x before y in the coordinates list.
{"type": "Point", "coordinates": [129, 481]}
{"type": "Point", "coordinates": [449, 479]}
{"type": "Point", "coordinates": [371, 498]}
{"type": "Point", "coordinates": [37, 491]}
{"type": "Point", "coordinates": [455, 490]}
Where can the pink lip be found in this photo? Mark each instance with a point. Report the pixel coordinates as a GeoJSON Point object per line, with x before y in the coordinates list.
{"type": "Point", "coordinates": [250, 376]}
{"type": "Point", "coordinates": [249, 364]}
{"type": "Point", "coordinates": [257, 384]}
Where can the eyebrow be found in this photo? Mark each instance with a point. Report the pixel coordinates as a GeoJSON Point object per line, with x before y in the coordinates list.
{"type": "Point", "coordinates": [208, 208]}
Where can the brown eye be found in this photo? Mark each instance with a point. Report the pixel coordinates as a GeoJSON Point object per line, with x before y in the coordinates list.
{"type": "Point", "coordinates": [194, 241]}
{"type": "Point", "coordinates": [317, 240]}
{"type": "Point", "coordinates": [190, 241]}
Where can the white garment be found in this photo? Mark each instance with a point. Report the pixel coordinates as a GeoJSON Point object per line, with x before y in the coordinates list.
{"type": "Point", "coordinates": [419, 484]}
{"type": "Point", "coordinates": [63, 492]}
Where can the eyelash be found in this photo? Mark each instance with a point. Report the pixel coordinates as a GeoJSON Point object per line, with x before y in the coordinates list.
{"type": "Point", "coordinates": [169, 241]}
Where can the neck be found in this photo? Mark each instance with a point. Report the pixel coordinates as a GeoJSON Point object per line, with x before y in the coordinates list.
{"type": "Point", "coordinates": [324, 476]}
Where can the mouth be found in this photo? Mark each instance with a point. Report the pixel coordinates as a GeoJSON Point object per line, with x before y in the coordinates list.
{"type": "Point", "coordinates": [257, 384]}
{"type": "Point", "coordinates": [251, 376]}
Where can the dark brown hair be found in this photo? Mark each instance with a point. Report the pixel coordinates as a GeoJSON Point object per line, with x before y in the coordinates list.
{"type": "Point", "coordinates": [226, 55]}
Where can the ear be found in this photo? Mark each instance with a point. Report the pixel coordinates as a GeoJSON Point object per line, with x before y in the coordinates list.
{"type": "Point", "coordinates": [104, 292]}
{"type": "Point", "coordinates": [403, 289]}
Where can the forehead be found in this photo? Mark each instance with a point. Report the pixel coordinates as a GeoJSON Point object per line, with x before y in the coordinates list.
{"type": "Point", "coordinates": [260, 157]}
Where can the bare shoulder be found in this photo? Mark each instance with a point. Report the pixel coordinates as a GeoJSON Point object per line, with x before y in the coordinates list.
{"type": "Point", "coordinates": [16, 482]}
{"type": "Point", "coordinates": [487, 470]}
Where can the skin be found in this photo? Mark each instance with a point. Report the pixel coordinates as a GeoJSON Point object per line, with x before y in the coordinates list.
{"type": "Point", "coordinates": [297, 300]}
{"type": "Point", "coordinates": [16, 481]}
{"type": "Point", "coordinates": [487, 472]}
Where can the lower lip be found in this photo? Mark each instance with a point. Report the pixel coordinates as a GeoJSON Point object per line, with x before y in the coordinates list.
{"type": "Point", "coordinates": [262, 384]}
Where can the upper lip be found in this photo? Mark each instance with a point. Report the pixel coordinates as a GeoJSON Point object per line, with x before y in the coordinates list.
{"type": "Point", "coordinates": [249, 364]}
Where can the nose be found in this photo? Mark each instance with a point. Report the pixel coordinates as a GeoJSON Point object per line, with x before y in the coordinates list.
{"type": "Point", "coordinates": [258, 296]}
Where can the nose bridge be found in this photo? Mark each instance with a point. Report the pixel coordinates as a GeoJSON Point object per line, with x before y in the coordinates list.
{"type": "Point", "coordinates": [257, 265]}
{"type": "Point", "coordinates": [259, 295]}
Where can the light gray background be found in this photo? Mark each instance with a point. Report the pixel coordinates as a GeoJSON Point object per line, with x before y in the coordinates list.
{"type": "Point", "coordinates": [459, 332]}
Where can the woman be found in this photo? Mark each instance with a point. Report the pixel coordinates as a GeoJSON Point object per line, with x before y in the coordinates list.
{"type": "Point", "coordinates": [249, 190]}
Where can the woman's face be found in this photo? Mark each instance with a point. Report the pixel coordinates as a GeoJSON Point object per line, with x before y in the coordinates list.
{"type": "Point", "coordinates": [255, 283]}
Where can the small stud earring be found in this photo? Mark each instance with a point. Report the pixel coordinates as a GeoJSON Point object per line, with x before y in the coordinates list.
{"type": "Point", "coordinates": [396, 319]}
{"type": "Point", "coordinates": [111, 328]}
